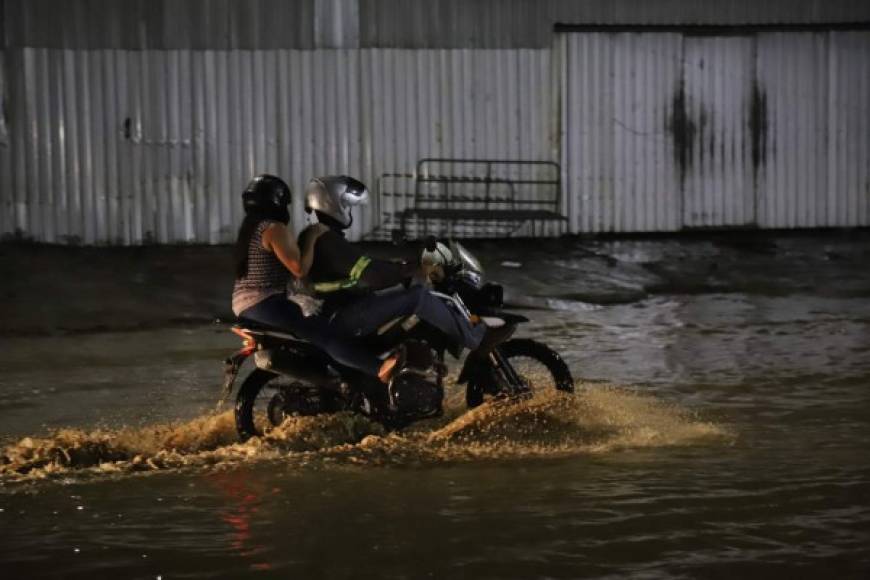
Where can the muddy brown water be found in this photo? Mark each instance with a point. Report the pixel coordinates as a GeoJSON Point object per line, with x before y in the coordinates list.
{"type": "Point", "coordinates": [721, 427]}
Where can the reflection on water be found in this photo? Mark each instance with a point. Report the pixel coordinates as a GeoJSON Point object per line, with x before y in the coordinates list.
{"type": "Point", "coordinates": [242, 499]}
{"type": "Point", "coordinates": [736, 443]}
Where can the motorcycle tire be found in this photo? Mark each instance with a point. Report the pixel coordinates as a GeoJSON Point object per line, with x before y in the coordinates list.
{"type": "Point", "coordinates": [525, 348]}
{"type": "Point", "coordinates": [245, 399]}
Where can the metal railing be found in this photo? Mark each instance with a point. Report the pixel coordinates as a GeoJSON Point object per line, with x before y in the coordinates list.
{"type": "Point", "coordinates": [469, 197]}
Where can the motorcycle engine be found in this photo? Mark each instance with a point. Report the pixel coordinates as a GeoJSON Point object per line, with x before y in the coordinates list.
{"type": "Point", "coordinates": [416, 391]}
{"type": "Point", "coordinates": [416, 394]}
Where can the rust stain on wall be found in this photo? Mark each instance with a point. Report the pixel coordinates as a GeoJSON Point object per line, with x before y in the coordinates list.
{"type": "Point", "coordinates": [758, 126]}
{"type": "Point", "coordinates": [683, 131]}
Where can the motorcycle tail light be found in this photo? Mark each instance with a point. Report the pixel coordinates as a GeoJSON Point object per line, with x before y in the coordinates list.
{"type": "Point", "coordinates": [247, 340]}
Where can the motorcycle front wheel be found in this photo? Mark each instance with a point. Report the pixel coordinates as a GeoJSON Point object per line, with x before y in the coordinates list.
{"type": "Point", "coordinates": [536, 363]}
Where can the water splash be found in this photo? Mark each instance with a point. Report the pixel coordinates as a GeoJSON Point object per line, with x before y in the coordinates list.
{"type": "Point", "coordinates": [598, 419]}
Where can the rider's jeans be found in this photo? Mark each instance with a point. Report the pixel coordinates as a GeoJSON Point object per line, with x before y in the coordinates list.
{"type": "Point", "coordinates": [282, 313]}
{"type": "Point", "coordinates": [366, 315]}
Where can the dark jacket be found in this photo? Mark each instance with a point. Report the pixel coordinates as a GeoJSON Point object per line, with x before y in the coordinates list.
{"type": "Point", "coordinates": [341, 272]}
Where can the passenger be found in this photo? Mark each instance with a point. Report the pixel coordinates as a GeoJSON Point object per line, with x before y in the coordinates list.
{"type": "Point", "coordinates": [346, 278]}
{"type": "Point", "coordinates": [266, 256]}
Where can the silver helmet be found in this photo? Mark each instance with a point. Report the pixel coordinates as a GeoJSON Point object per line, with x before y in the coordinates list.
{"type": "Point", "coordinates": [334, 196]}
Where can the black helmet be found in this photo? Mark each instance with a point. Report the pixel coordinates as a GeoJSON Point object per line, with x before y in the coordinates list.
{"type": "Point", "coordinates": [267, 197]}
{"type": "Point", "coordinates": [332, 198]}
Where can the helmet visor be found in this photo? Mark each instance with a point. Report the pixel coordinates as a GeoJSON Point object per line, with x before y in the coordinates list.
{"type": "Point", "coordinates": [354, 197]}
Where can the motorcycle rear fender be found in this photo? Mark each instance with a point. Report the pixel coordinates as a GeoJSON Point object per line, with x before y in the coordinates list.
{"type": "Point", "coordinates": [231, 368]}
{"type": "Point", "coordinates": [292, 363]}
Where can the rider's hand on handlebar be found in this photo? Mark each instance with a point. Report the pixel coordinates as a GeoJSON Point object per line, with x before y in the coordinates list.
{"type": "Point", "coordinates": [433, 273]}
{"type": "Point", "coordinates": [432, 261]}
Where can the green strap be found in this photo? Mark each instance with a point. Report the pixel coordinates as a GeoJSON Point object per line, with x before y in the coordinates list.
{"type": "Point", "coordinates": [349, 282]}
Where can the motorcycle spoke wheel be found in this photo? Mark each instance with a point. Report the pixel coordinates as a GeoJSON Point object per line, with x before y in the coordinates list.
{"type": "Point", "coordinates": [253, 404]}
{"type": "Point", "coordinates": [537, 364]}
{"type": "Point", "coordinates": [534, 373]}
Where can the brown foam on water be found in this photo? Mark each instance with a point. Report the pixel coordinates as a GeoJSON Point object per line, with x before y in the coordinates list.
{"type": "Point", "coordinates": [598, 419]}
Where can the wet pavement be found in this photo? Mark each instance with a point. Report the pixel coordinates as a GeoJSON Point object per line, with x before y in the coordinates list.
{"type": "Point", "coordinates": [721, 427]}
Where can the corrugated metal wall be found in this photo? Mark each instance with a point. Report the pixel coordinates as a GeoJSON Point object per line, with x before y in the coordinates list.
{"type": "Point", "coordinates": [664, 131]}
{"type": "Point", "coordinates": [529, 23]}
{"type": "Point", "coordinates": [818, 137]}
{"type": "Point", "coordinates": [114, 146]}
{"type": "Point", "coordinates": [128, 121]}
{"type": "Point", "coordinates": [717, 174]}
{"type": "Point", "coordinates": [278, 24]}
{"type": "Point", "coordinates": [162, 24]}
{"type": "Point", "coordinates": [849, 137]}
{"type": "Point", "coordinates": [616, 155]}
{"type": "Point", "coordinates": [492, 104]}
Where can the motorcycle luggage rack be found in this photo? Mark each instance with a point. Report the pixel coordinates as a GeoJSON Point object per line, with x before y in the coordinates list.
{"type": "Point", "coordinates": [468, 198]}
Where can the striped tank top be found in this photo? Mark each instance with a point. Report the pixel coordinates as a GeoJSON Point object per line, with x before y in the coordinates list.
{"type": "Point", "coordinates": [266, 275]}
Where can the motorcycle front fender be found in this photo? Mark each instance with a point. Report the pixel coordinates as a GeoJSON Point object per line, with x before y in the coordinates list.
{"type": "Point", "coordinates": [513, 318]}
{"type": "Point", "coordinates": [508, 317]}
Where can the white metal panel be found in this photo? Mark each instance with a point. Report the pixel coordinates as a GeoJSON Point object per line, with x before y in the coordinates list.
{"type": "Point", "coordinates": [718, 188]}
{"type": "Point", "coordinates": [297, 24]}
{"type": "Point", "coordinates": [848, 191]}
{"type": "Point", "coordinates": [135, 147]}
{"type": "Point", "coordinates": [792, 180]}
{"type": "Point", "coordinates": [768, 129]}
{"type": "Point", "coordinates": [617, 155]}
{"type": "Point", "coordinates": [529, 23]}
{"type": "Point", "coordinates": [117, 146]}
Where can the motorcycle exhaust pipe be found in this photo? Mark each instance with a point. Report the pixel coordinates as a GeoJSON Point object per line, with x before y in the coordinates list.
{"type": "Point", "coordinates": [293, 365]}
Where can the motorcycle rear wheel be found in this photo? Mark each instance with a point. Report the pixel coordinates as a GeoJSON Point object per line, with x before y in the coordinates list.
{"type": "Point", "coordinates": [245, 401]}
{"type": "Point", "coordinates": [536, 362]}
{"type": "Point", "coordinates": [256, 412]}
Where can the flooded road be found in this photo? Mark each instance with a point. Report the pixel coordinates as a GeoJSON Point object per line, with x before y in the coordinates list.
{"type": "Point", "coordinates": [720, 427]}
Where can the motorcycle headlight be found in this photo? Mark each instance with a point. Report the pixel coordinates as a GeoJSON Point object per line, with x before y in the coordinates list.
{"type": "Point", "coordinates": [472, 278]}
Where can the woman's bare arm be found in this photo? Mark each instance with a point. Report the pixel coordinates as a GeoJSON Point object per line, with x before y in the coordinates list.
{"type": "Point", "coordinates": [278, 239]}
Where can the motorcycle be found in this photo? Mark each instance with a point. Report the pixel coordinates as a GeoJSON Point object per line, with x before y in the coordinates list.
{"type": "Point", "coordinates": [292, 377]}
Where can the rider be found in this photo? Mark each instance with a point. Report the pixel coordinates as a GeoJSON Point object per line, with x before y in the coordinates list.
{"type": "Point", "coordinates": [266, 256]}
{"type": "Point", "coordinates": [354, 285]}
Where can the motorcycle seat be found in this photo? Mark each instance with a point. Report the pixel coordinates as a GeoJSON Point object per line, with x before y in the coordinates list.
{"type": "Point", "coordinates": [266, 329]}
